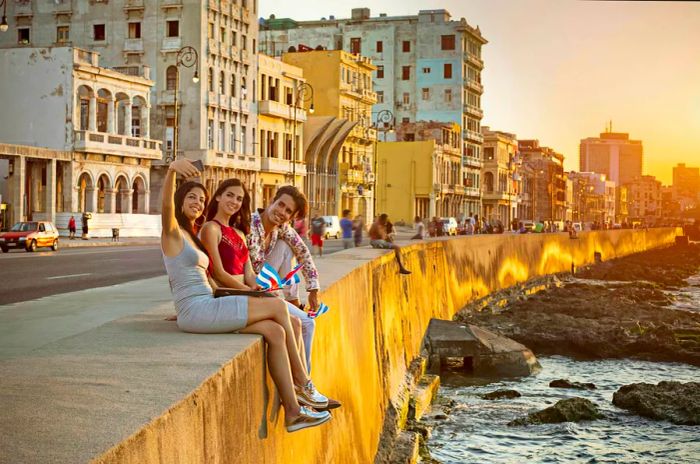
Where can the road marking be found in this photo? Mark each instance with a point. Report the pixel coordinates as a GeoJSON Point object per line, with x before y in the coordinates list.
{"type": "Point", "coordinates": [68, 276]}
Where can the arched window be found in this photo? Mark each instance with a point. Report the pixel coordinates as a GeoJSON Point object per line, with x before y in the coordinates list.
{"type": "Point", "coordinates": [222, 83]}
{"type": "Point", "coordinates": [211, 79]}
{"type": "Point", "coordinates": [170, 78]}
{"type": "Point", "coordinates": [488, 181]}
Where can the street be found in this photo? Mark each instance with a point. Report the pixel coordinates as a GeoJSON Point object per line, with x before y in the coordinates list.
{"type": "Point", "coordinates": [26, 276]}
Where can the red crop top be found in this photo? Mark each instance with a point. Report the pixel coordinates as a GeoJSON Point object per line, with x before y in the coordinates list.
{"type": "Point", "coordinates": [232, 249]}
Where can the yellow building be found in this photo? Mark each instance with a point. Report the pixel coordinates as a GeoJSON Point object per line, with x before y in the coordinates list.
{"type": "Point", "coordinates": [280, 126]}
{"type": "Point", "coordinates": [340, 177]}
{"type": "Point", "coordinates": [421, 176]}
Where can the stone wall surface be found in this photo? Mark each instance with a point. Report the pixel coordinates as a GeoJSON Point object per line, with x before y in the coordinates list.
{"type": "Point", "coordinates": [362, 348]}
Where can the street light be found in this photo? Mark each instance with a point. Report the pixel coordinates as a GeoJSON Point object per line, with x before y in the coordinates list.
{"type": "Point", "coordinates": [3, 24]}
{"type": "Point", "coordinates": [303, 93]}
{"type": "Point", "coordinates": [384, 124]}
{"type": "Point", "coordinates": [187, 57]}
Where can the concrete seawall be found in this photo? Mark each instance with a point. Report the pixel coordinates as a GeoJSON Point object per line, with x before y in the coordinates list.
{"type": "Point", "coordinates": [362, 349]}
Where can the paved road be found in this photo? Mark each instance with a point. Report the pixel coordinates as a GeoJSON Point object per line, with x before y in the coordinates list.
{"type": "Point", "coordinates": [26, 276]}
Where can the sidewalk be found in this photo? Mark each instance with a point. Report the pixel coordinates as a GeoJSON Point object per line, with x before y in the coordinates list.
{"type": "Point", "coordinates": [106, 241]}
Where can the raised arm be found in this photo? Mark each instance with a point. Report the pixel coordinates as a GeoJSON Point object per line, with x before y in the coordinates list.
{"type": "Point", "coordinates": [170, 239]}
{"type": "Point", "coordinates": [211, 236]}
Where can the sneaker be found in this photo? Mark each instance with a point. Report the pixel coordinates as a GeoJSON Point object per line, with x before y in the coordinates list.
{"type": "Point", "coordinates": [309, 396]}
{"type": "Point", "coordinates": [332, 404]}
{"type": "Point", "coordinates": [404, 271]}
{"type": "Point", "coordinates": [307, 418]}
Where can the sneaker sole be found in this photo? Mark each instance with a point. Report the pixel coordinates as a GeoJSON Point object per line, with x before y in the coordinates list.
{"type": "Point", "coordinates": [306, 425]}
{"type": "Point", "coordinates": [303, 401]}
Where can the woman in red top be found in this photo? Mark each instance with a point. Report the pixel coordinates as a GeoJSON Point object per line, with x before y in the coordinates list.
{"type": "Point", "coordinates": [223, 235]}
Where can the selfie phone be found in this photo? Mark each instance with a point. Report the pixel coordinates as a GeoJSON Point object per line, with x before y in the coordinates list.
{"type": "Point", "coordinates": [198, 164]}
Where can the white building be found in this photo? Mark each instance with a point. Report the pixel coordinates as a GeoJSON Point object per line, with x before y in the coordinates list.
{"type": "Point", "coordinates": [75, 137]}
{"type": "Point", "coordinates": [593, 197]}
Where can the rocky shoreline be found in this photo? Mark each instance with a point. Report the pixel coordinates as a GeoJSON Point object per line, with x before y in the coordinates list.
{"type": "Point", "coordinates": [616, 309]}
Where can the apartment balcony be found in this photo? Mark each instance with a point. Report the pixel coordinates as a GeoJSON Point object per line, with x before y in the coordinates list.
{"type": "Point", "coordinates": [171, 44]}
{"type": "Point", "coordinates": [459, 189]}
{"type": "Point", "coordinates": [167, 97]}
{"type": "Point", "coordinates": [447, 188]}
{"type": "Point", "coordinates": [350, 175]}
{"type": "Point", "coordinates": [472, 84]}
{"type": "Point", "coordinates": [116, 144]}
{"type": "Point", "coordinates": [472, 192]}
{"type": "Point", "coordinates": [245, 16]}
{"type": "Point", "coordinates": [496, 196]}
{"type": "Point", "coordinates": [363, 133]}
{"type": "Point", "coordinates": [276, 165]}
{"type": "Point", "coordinates": [474, 111]}
{"type": "Point", "coordinates": [369, 96]}
{"type": "Point", "coordinates": [133, 45]}
{"type": "Point", "coordinates": [133, 5]}
{"type": "Point", "coordinates": [139, 70]}
{"type": "Point", "coordinates": [231, 160]}
{"type": "Point", "coordinates": [85, 56]}
{"type": "Point", "coordinates": [213, 47]}
{"type": "Point", "coordinates": [473, 136]}
{"type": "Point", "coordinates": [471, 162]}
{"type": "Point", "coordinates": [224, 101]}
{"type": "Point", "coordinates": [280, 110]}
{"type": "Point", "coordinates": [214, 5]}
{"type": "Point", "coordinates": [171, 4]}
{"type": "Point", "coordinates": [23, 9]}
{"type": "Point", "coordinates": [474, 60]}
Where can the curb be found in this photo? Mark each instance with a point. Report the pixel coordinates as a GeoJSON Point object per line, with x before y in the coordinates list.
{"type": "Point", "coordinates": [87, 243]}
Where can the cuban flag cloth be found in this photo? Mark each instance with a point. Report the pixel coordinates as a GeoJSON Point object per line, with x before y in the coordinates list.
{"type": "Point", "coordinates": [322, 309]}
{"type": "Point", "coordinates": [268, 279]}
{"type": "Point", "coordinates": [292, 277]}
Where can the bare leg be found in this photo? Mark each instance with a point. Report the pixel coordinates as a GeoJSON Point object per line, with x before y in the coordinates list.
{"type": "Point", "coordinates": [274, 309]}
{"type": "Point", "coordinates": [397, 254]}
{"type": "Point", "coordinates": [278, 362]}
{"type": "Point", "coordinates": [297, 326]}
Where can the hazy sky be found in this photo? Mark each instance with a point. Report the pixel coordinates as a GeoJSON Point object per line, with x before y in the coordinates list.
{"type": "Point", "coordinates": [558, 70]}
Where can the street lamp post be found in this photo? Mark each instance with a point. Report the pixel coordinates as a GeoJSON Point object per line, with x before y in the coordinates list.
{"type": "Point", "coordinates": [385, 123]}
{"type": "Point", "coordinates": [3, 24]}
{"type": "Point", "coordinates": [304, 93]}
{"type": "Point", "coordinates": [187, 57]}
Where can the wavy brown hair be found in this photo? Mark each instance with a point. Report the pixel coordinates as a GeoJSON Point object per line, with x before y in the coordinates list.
{"type": "Point", "coordinates": [241, 218]}
{"type": "Point", "coordinates": [182, 220]}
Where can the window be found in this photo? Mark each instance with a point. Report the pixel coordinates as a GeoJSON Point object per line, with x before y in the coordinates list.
{"type": "Point", "coordinates": [380, 96]}
{"type": "Point", "coordinates": [222, 136]}
{"type": "Point", "coordinates": [233, 85]}
{"type": "Point", "coordinates": [232, 136]}
{"type": "Point", "coordinates": [406, 98]}
{"type": "Point", "coordinates": [134, 30]}
{"type": "Point", "coordinates": [98, 32]}
{"type": "Point", "coordinates": [406, 46]}
{"type": "Point", "coordinates": [210, 31]}
{"type": "Point", "coordinates": [210, 134]}
{"type": "Point", "coordinates": [170, 78]}
{"type": "Point", "coordinates": [222, 83]}
{"type": "Point", "coordinates": [243, 139]}
{"type": "Point", "coordinates": [223, 35]}
{"type": "Point", "coordinates": [447, 42]}
{"type": "Point", "coordinates": [426, 70]}
{"type": "Point", "coordinates": [172, 28]}
{"type": "Point", "coordinates": [380, 72]}
{"type": "Point", "coordinates": [355, 45]}
{"type": "Point", "coordinates": [405, 120]}
{"type": "Point", "coordinates": [447, 71]}
{"type": "Point", "coordinates": [426, 93]}
{"type": "Point", "coordinates": [380, 46]}
{"type": "Point", "coordinates": [210, 78]}
{"type": "Point", "coordinates": [405, 73]}
{"type": "Point", "coordinates": [448, 95]}
{"type": "Point", "coordinates": [244, 42]}
{"type": "Point", "coordinates": [62, 34]}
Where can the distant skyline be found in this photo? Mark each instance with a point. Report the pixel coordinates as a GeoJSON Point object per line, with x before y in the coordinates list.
{"type": "Point", "coordinates": [559, 70]}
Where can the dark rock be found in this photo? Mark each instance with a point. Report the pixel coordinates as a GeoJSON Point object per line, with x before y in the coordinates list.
{"type": "Point", "coordinates": [565, 383]}
{"type": "Point", "coordinates": [568, 410]}
{"type": "Point", "coordinates": [440, 417]}
{"type": "Point", "coordinates": [672, 401]}
{"type": "Point", "coordinates": [499, 394]}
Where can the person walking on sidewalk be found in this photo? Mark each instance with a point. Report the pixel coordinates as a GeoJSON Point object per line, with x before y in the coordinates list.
{"type": "Point", "coordinates": [379, 239]}
{"type": "Point", "coordinates": [419, 228]}
{"type": "Point", "coordinates": [346, 227]}
{"type": "Point", "coordinates": [85, 218]}
{"type": "Point", "coordinates": [71, 228]}
{"type": "Point", "coordinates": [318, 228]}
{"type": "Point", "coordinates": [186, 262]}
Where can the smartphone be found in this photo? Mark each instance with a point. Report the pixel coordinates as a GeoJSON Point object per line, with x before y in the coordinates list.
{"type": "Point", "coordinates": [198, 164]}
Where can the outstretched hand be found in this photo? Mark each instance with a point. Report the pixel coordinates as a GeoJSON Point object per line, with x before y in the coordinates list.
{"type": "Point", "coordinates": [184, 167]}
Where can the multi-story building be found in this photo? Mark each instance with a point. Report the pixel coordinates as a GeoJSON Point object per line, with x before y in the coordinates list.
{"type": "Point", "coordinates": [594, 197]}
{"type": "Point", "coordinates": [547, 186]}
{"type": "Point", "coordinates": [499, 194]}
{"type": "Point", "coordinates": [428, 69]}
{"type": "Point", "coordinates": [621, 204]}
{"type": "Point", "coordinates": [281, 126]}
{"type": "Point", "coordinates": [420, 176]}
{"type": "Point", "coordinates": [343, 177]}
{"type": "Point", "coordinates": [76, 138]}
{"type": "Point", "coordinates": [686, 183]}
{"type": "Point", "coordinates": [644, 199]}
{"type": "Point", "coordinates": [612, 154]}
{"type": "Point", "coordinates": [215, 116]}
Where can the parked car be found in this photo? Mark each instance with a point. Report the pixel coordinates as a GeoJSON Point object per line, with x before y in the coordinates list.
{"type": "Point", "coordinates": [449, 225]}
{"type": "Point", "coordinates": [30, 235]}
{"type": "Point", "coordinates": [332, 226]}
{"type": "Point", "coordinates": [529, 226]}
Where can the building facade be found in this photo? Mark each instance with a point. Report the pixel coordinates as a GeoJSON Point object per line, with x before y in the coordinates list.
{"type": "Point", "coordinates": [215, 116]}
{"type": "Point", "coordinates": [76, 138]}
{"type": "Point", "coordinates": [499, 188]}
{"type": "Point", "coordinates": [686, 185]}
{"type": "Point", "coordinates": [343, 177]}
{"type": "Point", "coordinates": [644, 200]}
{"type": "Point", "coordinates": [281, 121]}
{"type": "Point", "coordinates": [594, 198]}
{"type": "Point", "coordinates": [612, 154]}
{"type": "Point", "coordinates": [546, 183]}
{"type": "Point", "coordinates": [428, 69]}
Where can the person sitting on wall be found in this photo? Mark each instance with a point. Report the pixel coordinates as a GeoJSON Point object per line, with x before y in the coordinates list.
{"type": "Point", "coordinates": [379, 239]}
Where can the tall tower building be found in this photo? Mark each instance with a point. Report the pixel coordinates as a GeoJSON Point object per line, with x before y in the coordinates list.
{"type": "Point", "coordinates": [216, 115]}
{"type": "Point", "coordinates": [428, 69]}
{"type": "Point", "coordinates": [686, 181]}
{"type": "Point", "coordinates": [612, 154]}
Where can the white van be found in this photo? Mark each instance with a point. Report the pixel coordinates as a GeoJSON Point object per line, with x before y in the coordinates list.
{"type": "Point", "coordinates": [332, 227]}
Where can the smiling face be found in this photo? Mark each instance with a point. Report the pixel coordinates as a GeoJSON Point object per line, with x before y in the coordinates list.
{"type": "Point", "coordinates": [231, 200]}
{"type": "Point", "coordinates": [281, 210]}
{"type": "Point", "coordinates": [193, 204]}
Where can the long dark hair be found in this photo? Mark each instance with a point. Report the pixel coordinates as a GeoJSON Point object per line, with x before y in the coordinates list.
{"type": "Point", "coordinates": [241, 218]}
{"type": "Point", "coordinates": [182, 220]}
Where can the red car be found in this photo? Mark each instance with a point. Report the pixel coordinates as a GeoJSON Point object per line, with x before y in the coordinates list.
{"type": "Point", "coordinates": [30, 236]}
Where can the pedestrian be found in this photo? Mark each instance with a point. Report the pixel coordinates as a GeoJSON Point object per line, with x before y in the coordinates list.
{"type": "Point", "coordinates": [85, 218]}
{"type": "Point", "coordinates": [432, 227]}
{"type": "Point", "coordinates": [419, 227]}
{"type": "Point", "coordinates": [439, 227]}
{"type": "Point", "coordinates": [71, 228]}
{"type": "Point", "coordinates": [346, 228]}
{"type": "Point", "coordinates": [379, 239]}
{"type": "Point", "coordinates": [358, 226]}
{"type": "Point", "coordinates": [198, 311]}
{"type": "Point", "coordinates": [318, 229]}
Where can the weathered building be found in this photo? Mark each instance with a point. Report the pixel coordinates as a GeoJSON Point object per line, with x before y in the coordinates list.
{"type": "Point", "coordinates": [644, 199]}
{"type": "Point", "coordinates": [499, 187]}
{"type": "Point", "coordinates": [545, 167]}
{"type": "Point", "coordinates": [76, 137]}
{"type": "Point", "coordinates": [612, 154]}
{"type": "Point", "coordinates": [594, 197]}
{"type": "Point", "coordinates": [428, 69]}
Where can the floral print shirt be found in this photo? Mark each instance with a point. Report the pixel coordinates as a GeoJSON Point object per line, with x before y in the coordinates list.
{"type": "Point", "coordinates": [256, 241]}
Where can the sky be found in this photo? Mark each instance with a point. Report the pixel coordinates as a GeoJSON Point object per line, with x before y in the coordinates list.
{"type": "Point", "coordinates": [559, 70]}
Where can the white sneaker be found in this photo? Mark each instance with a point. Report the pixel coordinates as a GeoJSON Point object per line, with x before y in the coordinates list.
{"type": "Point", "coordinates": [307, 418]}
{"type": "Point", "coordinates": [309, 396]}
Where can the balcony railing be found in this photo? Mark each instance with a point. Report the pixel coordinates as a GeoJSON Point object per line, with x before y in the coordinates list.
{"type": "Point", "coordinates": [172, 44]}
{"type": "Point", "coordinates": [280, 110]}
{"type": "Point", "coordinates": [473, 110]}
{"type": "Point", "coordinates": [275, 165]}
{"type": "Point", "coordinates": [474, 85]}
{"type": "Point", "coordinates": [136, 70]}
{"type": "Point", "coordinates": [473, 135]}
{"type": "Point", "coordinates": [350, 175]}
{"type": "Point", "coordinates": [133, 45]}
{"type": "Point", "coordinates": [471, 162]}
{"type": "Point", "coordinates": [85, 56]}
{"type": "Point", "coordinates": [116, 144]}
{"type": "Point", "coordinates": [475, 60]}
